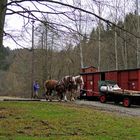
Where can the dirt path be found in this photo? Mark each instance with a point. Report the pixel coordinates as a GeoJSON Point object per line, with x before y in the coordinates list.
{"type": "Point", "coordinates": [132, 111]}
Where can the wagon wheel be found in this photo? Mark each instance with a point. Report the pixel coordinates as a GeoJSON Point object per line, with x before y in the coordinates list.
{"type": "Point", "coordinates": [103, 98]}
{"type": "Point", "coordinates": [126, 102]}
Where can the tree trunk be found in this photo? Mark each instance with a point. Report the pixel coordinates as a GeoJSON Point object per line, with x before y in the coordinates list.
{"type": "Point", "coordinates": [2, 19]}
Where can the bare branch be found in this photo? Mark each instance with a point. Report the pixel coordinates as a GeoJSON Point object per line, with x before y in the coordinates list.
{"type": "Point", "coordinates": [6, 34]}
{"type": "Point", "coordinates": [77, 8]}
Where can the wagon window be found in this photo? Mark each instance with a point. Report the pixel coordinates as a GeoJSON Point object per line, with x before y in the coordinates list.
{"type": "Point", "coordinates": [102, 76]}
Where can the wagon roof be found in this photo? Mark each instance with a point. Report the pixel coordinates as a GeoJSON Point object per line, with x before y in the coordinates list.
{"type": "Point", "coordinates": [134, 69]}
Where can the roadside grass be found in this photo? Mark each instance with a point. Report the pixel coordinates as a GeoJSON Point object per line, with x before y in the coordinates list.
{"type": "Point", "coordinates": [63, 121]}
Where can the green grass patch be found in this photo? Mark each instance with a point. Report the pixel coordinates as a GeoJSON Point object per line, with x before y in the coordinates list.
{"type": "Point", "coordinates": [63, 121]}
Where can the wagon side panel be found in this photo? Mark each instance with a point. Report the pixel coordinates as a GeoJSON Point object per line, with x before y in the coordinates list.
{"type": "Point", "coordinates": [111, 76]}
{"type": "Point", "coordinates": [138, 80]}
{"type": "Point", "coordinates": [123, 79]}
{"type": "Point", "coordinates": [133, 80]}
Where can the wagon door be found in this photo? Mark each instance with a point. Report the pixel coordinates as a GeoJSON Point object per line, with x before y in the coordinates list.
{"type": "Point", "coordinates": [89, 85]}
{"type": "Point", "coordinates": [95, 85]}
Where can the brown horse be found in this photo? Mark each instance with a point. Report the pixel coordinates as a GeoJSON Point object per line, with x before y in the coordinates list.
{"type": "Point", "coordinates": [78, 84]}
{"type": "Point", "coordinates": [60, 89]}
{"type": "Point", "coordinates": [70, 86]}
{"type": "Point", "coordinates": [68, 83]}
{"type": "Point", "coordinates": [50, 86]}
{"type": "Point", "coordinates": [54, 86]}
{"type": "Point", "coordinates": [73, 86]}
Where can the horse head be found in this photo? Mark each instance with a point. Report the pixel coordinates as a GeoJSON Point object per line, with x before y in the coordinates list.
{"type": "Point", "coordinates": [79, 81]}
{"type": "Point", "coordinates": [68, 81]}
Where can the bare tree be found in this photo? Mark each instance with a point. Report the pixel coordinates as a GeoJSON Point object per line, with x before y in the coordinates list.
{"type": "Point", "coordinates": [2, 19]}
{"type": "Point", "coordinates": [51, 8]}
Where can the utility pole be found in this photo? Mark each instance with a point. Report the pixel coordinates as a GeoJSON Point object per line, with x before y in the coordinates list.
{"type": "Point", "coordinates": [32, 59]}
{"type": "Point", "coordinates": [125, 47]}
{"type": "Point", "coordinates": [42, 48]}
{"type": "Point", "coordinates": [80, 45]}
{"type": "Point", "coordinates": [99, 37]}
{"type": "Point", "coordinates": [116, 51]}
{"type": "Point", "coordinates": [138, 30]}
{"type": "Point", "coordinates": [115, 43]}
{"type": "Point", "coordinates": [46, 53]}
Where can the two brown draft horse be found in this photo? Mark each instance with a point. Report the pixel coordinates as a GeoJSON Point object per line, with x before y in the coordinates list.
{"type": "Point", "coordinates": [67, 86]}
{"type": "Point", "coordinates": [53, 86]}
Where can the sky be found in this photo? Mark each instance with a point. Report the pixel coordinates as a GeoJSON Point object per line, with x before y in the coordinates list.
{"type": "Point", "coordinates": [14, 24]}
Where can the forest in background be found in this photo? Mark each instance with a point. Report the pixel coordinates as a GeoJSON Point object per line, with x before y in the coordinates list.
{"type": "Point", "coordinates": [50, 62]}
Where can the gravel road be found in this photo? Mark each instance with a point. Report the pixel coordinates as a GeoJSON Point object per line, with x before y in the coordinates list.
{"type": "Point", "coordinates": [119, 109]}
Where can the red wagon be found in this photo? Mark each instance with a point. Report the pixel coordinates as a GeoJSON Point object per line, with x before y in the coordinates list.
{"type": "Point", "coordinates": [127, 80]}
